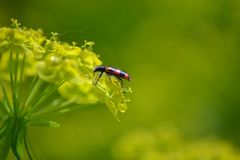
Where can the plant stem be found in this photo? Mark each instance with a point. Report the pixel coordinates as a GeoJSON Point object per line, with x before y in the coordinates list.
{"type": "Point", "coordinates": [36, 84]}
{"type": "Point", "coordinates": [13, 81]}
{"type": "Point", "coordinates": [26, 145]}
{"type": "Point", "coordinates": [53, 109]}
{"type": "Point", "coordinates": [45, 94]}
{"type": "Point", "coordinates": [5, 104]}
{"type": "Point", "coordinates": [21, 81]}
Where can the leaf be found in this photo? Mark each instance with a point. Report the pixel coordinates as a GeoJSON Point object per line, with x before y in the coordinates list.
{"type": "Point", "coordinates": [45, 123]}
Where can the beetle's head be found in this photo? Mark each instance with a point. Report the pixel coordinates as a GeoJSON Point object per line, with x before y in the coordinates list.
{"type": "Point", "coordinates": [99, 69]}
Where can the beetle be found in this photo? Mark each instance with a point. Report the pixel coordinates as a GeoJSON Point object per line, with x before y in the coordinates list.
{"type": "Point", "coordinates": [110, 71]}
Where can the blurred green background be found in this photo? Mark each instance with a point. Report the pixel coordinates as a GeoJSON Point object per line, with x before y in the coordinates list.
{"type": "Point", "coordinates": [183, 57]}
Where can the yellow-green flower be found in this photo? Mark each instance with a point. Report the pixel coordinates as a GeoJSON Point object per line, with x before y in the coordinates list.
{"type": "Point", "coordinates": [168, 144]}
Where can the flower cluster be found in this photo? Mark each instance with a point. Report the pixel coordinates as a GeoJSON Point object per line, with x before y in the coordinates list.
{"type": "Point", "coordinates": [41, 77]}
{"type": "Point", "coordinates": [168, 144]}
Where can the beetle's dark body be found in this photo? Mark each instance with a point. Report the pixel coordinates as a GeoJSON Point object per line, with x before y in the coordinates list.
{"type": "Point", "coordinates": [111, 72]}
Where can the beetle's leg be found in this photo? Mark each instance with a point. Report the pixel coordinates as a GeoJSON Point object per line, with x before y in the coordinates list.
{"type": "Point", "coordinates": [99, 76]}
{"type": "Point", "coordinates": [120, 80]}
{"type": "Point", "coordinates": [109, 76]}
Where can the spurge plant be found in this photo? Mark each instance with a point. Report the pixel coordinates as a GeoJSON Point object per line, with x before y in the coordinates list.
{"type": "Point", "coordinates": [41, 77]}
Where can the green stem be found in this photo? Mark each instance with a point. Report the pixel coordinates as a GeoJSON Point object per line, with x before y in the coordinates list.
{"type": "Point", "coordinates": [33, 82]}
{"type": "Point", "coordinates": [5, 104]}
{"type": "Point", "coordinates": [13, 79]}
{"type": "Point", "coordinates": [53, 109]}
{"type": "Point", "coordinates": [45, 94]}
{"type": "Point", "coordinates": [36, 85]}
{"type": "Point", "coordinates": [4, 147]}
{"type": "Point", "coordinates": [14, 139]}
{"type": "Point", "coordinates": [5, 100]}
{"type": "Point", "coordinates": [20, 93]}
{"type": "Point", "coordinates": [26, 145]}
{"type": "Point", "coordinates": [4, 128]}
{"type": "Point", "coordinates": [17, 138]}
{"type": "Point", "coordinates": [16, 74]}
{"type": "Point", "coordinates": [11, 71]}
{"type": "Point", "coordinates": [5, 138]}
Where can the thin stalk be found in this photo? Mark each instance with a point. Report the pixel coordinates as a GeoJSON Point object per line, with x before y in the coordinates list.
{"type": "Point", "coordinates": [4, 128]}
{"type": "Point", "coordinates": [45, 94]}
{"type": "Point", "coordinates": [17, 139]}
{"type": "Point", "coordinates": [51, 105]}
{"type": "Point", "coordinates": [16, 73]}
{"type": "Point", "coordinates": [54, 109]}
{"type": "Point", "coordinates": [3, 108]}
{"type": "Point", "coordinates": [33, 92]}
{"type": "Point", "coordinates": [5, 102]}
{"type": "Point", "coordinates": [21, 78]}
{"type": "Point", "coordinates": [14, 140]}
{"type": "Point", "coordinates": [55, 112]}
{"type": "Point", "coordinates": [13, 81]}
{"type": "Point", "coordinates": [4, 147]}
{"type": "Point", "coordinates": [26, 145]}
{"type": "Point", "coordinates": [33, 82]}
{"type": "Point", "coordinates": [5, 140]}
{"type": "Point", "coordinates": [11, 71]}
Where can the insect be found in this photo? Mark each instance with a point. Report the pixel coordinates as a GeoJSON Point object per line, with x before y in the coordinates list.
{"type": "Point", "coordinates": [111, 72]}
